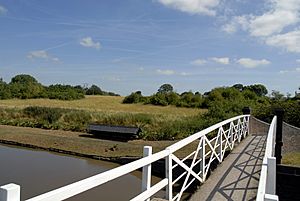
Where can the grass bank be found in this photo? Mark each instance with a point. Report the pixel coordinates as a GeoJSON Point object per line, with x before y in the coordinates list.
{"type": "Point", "coordinates": [80, 144]}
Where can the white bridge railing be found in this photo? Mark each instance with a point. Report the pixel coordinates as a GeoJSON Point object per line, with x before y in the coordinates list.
{"type": "Point", "coordinates": [194, 167]}
{"type": "Point", "coordinates": [267, 181]}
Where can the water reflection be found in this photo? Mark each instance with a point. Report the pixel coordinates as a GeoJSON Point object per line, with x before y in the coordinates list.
{"type": "Point", "coordinates": [40, 171]}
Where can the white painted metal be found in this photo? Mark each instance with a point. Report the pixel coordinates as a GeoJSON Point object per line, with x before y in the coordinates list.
{"type": "Point", "coordinates": [271, 176]}
{"type": "Point", "coordinates": [269, 197]}
{"type": "Point", "coordinates": [207, 150]}
{"type": "Point", "coordinates": [146, 180]}
{"type": "Point", "coordinates": [169, 175]}
{"type": "Point", "coordinates": [10, 192]}
{"type": "Point", "coordinates": [267, 181]}
{"type": "Point", "coordinates": [151, 191]}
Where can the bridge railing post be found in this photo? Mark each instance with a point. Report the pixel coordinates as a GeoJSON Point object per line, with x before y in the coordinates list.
{"type": "Point", "coordinates": [169, 174]}
{"type": "Point", "coordinates": [220, 143]}
{"type": "Point", "coordinates": [146, 180]}
{"type": "Point", "coordinates": [271, 176]}
{"type": "Point", "coordinates": [279, 113]}
{"type": "Point", "coordinates": [247, 110]}
{"type": "Point", "coordinates": [10, 192]}
{"type": "Point", "coordinates": [202, 155]}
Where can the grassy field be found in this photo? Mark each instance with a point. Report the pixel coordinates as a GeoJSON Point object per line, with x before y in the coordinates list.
{"type": "Point", "coordinates": [110, 104]}
{"type": "Point", "coordinates": [156, 122]}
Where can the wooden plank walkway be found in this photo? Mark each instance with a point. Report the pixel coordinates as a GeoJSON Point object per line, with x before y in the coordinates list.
{"type": "Point", "coordinates": [237, 177]}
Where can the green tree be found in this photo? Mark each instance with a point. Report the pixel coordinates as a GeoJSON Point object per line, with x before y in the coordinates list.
{"type": "Point", "coordinates": [259, 89]}
{"type": "Point", "coordinates": [25, 86]}
{"type": "Point", "coordinates": [134, 97]}
{"type": "Point", "coordinates": [165, 88]}
{"type": "Point", "coordinates": [4, 90]}
{"type": "Point", "coordinates": [276, 95]}
{"type": "Point", "coordinates": [94, 90]}
{"type": "Point", "coordinates": [238, 87]}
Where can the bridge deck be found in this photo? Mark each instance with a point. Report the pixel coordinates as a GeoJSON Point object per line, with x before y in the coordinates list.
{"type": "Point", "coordinates": [238, 175]}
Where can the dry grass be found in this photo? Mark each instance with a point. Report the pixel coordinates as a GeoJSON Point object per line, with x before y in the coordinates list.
{"type": "Point", "coordinates": [109, 104]}
{"type": "Point", "coordinates": [292, 158]}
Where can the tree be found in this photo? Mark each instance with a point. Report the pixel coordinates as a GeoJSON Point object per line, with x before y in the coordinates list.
{"type": "Point", "coordinates": [276, 95]}
{"type": "Point", "coordinates": [94, 90]}
{"type": "Point", "coordinates": [25, 86]}
{"type": "Point", "coordinates": [4, 90]}
{"type": "Point", "coordinates": [259, 89]}
{"type": "Point", "coordinates": [165, 88]}
{"type": "Point", "coordinates": [238, 87]}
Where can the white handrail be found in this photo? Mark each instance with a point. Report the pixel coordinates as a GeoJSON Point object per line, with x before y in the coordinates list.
{"type": "Point", "coordinates": [207, 149]}
{"type": "Point", "coordinates": [267, 180]}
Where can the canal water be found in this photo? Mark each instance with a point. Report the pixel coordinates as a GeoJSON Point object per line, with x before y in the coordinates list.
{"type": "Point", "coordinates": [38, 172]}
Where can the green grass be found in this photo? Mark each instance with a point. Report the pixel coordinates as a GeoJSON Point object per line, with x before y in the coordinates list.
{"type": "Point", "coordinates": [157, 122]}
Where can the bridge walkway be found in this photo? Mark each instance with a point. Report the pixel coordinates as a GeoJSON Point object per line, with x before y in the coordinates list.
{"type": "Point", "coordinates": [237, 177]}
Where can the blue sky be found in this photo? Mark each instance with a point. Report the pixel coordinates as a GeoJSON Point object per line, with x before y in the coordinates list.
{"type": "Point", "coordinates": [129, 45]}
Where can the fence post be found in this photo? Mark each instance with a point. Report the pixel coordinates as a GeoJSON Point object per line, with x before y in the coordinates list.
{"type": "Point", "coordinates": [10, 192]}
{"type": "Point", "coordinates": [247, 110]}
{"type": "Point", "coordinates": [146, 180]}
{"type": "Point", "coordinates": [271, 176]}
{"type": "Point", "coordinates": [169, 174]}
{"type": "Point", "coordinates": [220, 148]}
{"type": "Point", "coordinates": [279, 113]}
{"type": "Point", "coordinates": [202, 155]}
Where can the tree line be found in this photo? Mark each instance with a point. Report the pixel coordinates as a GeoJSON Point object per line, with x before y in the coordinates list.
{"type": "Point", "coordinates": [26, 87]}
{"type": "Point", "coordinates": [224, 102]}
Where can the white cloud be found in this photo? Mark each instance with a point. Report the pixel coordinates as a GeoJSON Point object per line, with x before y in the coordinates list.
{"type": "Point", "coordinates": [3, 10]}
{"type": "Point", "coordinates": [298, 60]}
{"type": "Point", "coordinates": [282, 14]}
{"type": "Point", "coordinates": [198, 62]}
{"type": "Point", "coordinates": [41, 54]}
{"type": "Point", "coordinates": [270, 25]}
{"type": "Point", "coordinates": [204, 7]}
{"type": "Point", "coordinates": [184, 74]}
{"type": "Point", "coordinates": [296, 70]}
{"type": "Point", "coordinates": [88, 42]}
{"type": "Point", "coordinates": [252, 63]}
{"type": "Point", "coordinates": [289, 41]}
{"type": "Point", "coordinates": [221, 60]}
{"type": "Point", "coordinates": [165, 72]}
{"type": "Point", "coordinates": [235, 23]}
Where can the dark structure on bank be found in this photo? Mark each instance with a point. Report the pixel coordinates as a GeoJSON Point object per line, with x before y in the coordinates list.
{"type": "Point", "coordinates": [118, 133]}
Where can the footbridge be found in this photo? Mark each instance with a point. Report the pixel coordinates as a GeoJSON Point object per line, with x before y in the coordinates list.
{"type": "Point", "coordinates": [232, 160]}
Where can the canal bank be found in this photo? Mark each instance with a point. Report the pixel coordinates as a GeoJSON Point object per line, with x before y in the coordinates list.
{"type": "Point", "coordinates": [80, 144]}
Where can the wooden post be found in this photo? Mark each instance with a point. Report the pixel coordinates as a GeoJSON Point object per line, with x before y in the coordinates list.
{"type": "Point", "coordinates": [146, 180]}
{"type": "Point", "coordinates": [278, 142]}
{"type": "Point", "coordinates": [10, 192]}
{"type": "Point", "coordinates": [246, 110]}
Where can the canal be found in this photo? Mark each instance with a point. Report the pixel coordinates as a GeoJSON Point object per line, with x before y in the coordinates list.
{"type": "Point", "coordinates": [38, 172]}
